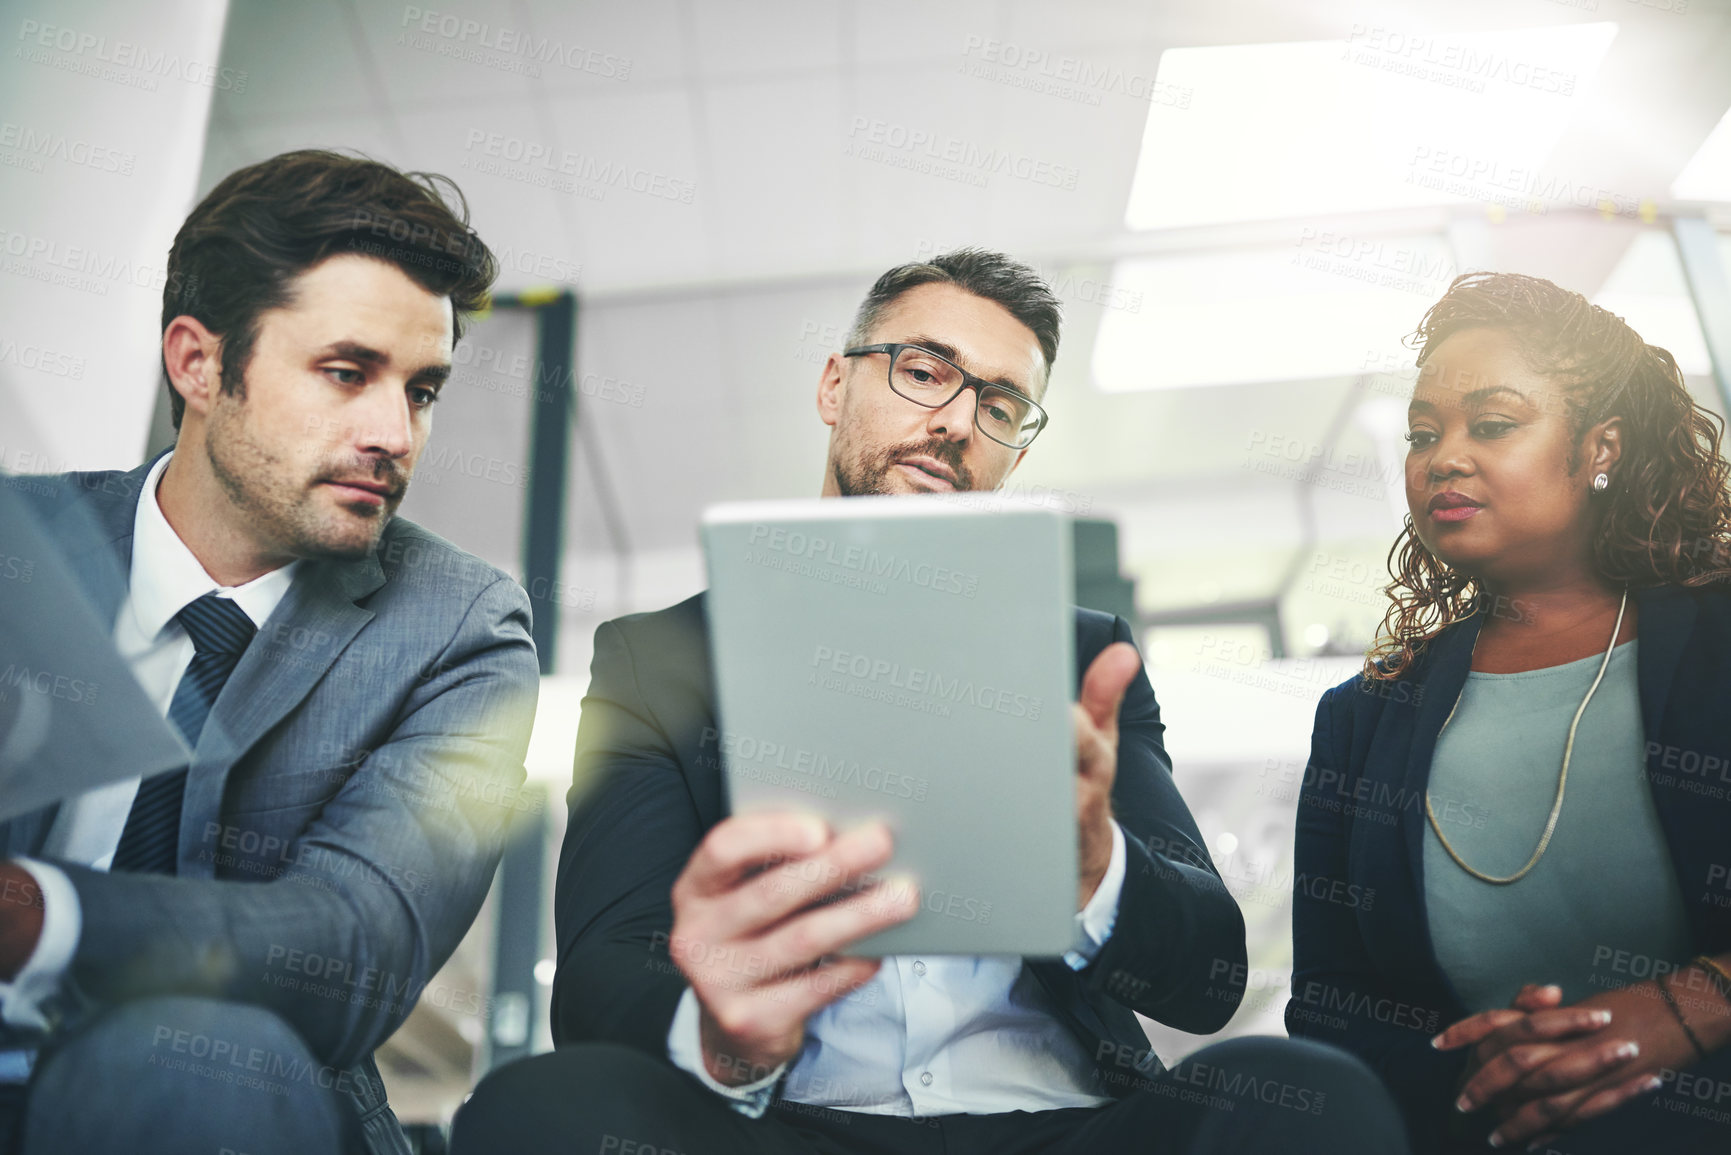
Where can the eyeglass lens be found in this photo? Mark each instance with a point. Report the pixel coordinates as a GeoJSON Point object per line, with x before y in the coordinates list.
{"type": "Point", "coordinates": [930, 380]}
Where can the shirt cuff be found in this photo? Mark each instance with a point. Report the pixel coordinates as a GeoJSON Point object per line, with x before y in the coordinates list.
{"type": "Point", "coordinates": [1094, 921]}
{"type": "Point", "coordinates": [685, 1048]}
{"type": "Point", "coordinates": [22, 999]}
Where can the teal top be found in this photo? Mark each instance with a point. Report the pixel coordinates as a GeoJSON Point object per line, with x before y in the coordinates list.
{"type": "Point", "coordinates": [1603, 903]}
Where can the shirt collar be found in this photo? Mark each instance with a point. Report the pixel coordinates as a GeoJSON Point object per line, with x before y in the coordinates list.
{"type": "Point", "coordinates": [166, 577]}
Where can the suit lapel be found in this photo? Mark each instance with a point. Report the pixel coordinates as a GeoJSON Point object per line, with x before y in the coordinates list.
{"type": "Point", "coordinates": [314, 623]}
{"type": "Point", "coordinates": [1667, 617]}
{"type": "Point", "coordinates": [707, 791]}
{"type": "Point", "coordinates": [1450, 661]}
{"type": "Point", "coordinates": [1689, 821]}
{"type": "Point", "coordinates": [94, 528]}
{"type": "Point", "coordinates": [1397, 763]}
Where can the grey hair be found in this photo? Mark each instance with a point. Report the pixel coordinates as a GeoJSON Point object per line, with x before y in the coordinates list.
{"type": "Point", "coordinates": [994, 276]}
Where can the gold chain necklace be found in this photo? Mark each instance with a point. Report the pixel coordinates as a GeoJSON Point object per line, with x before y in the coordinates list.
{"type": "Point", "coordinates": [1562, 776]}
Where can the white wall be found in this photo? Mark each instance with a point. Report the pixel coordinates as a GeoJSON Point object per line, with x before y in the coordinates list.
{"type": "Point", "coordinates": [103, 106]}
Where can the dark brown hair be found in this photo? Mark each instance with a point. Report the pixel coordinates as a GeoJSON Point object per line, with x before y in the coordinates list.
{"type": "Point", "coordinates": [1665, 520]}
{"type": "Point", "coordinates": [262, 226]}
{"type": "Point", "coordinates": [981, 272]}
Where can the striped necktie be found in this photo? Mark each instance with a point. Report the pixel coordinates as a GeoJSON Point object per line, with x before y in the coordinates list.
{"type": "Point", "coordinates": [220, 631]}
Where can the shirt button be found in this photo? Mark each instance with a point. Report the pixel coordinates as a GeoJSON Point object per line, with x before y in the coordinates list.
{"type": "Point", "coordinates": [925, 1078]}
{"type": "Point", "coordinates": [919, 967]}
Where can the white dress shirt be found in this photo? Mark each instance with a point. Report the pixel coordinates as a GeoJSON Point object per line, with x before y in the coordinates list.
{"type": "Point", "coordinates": [950, 1034]}
{"type": "Point", "coordinates": [165, 578]}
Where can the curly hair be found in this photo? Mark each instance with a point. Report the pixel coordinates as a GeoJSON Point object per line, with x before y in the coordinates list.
{"type": "Point", "coordinates": [1667, 518]}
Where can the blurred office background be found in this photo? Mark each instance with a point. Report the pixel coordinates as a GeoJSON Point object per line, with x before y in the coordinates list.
{"type": "Point", "coordinates": [1245, 206]}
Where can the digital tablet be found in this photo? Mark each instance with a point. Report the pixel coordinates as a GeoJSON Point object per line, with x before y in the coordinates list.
{"type": "Point", "coordinates": [72, 716]}
{"type": "Point", "coordinates": [909, 659]}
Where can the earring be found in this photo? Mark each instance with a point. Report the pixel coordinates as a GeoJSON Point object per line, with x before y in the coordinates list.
{"type": "Point", "coordinates": [1601, 483]}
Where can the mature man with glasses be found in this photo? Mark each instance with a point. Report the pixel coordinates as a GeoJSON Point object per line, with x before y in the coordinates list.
{"type": "Point", "coordinates": [703, 1002]}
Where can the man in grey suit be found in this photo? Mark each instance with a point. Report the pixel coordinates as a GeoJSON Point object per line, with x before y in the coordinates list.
{"type": "Point", "coordinates": [206, 959]}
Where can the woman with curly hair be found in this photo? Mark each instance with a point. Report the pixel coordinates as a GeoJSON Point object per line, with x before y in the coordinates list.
{"type": "Point", "coordinates": [1514, 836]}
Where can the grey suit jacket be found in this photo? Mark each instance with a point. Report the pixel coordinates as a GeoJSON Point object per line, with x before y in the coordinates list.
{"type": "Point", "coordinates": [345, 806]}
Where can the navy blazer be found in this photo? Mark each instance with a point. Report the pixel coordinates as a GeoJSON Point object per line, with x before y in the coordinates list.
{"type": "Point", "coordinates": [1365, 974]}
{"type": "Point", "coordinates": [648, 786]}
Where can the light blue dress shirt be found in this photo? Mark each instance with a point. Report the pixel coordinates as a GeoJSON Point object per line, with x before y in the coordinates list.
{"type": "Point", "coordinates": [949, 1034]}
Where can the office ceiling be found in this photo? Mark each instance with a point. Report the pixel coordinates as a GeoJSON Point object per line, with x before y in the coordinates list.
{"type": "Point", "coordinates": [720, 180]}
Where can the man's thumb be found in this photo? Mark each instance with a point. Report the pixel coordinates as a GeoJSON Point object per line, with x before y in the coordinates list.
{"type": "Point", "coordinates": [1103, 686]}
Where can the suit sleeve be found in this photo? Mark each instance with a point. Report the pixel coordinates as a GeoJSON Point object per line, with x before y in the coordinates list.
{"type": "Point", "coordinates": [633, 825]}
{"type": "Point", "coordinates": [1177, 952]}
{"type": "Point", "coordinates": [1339, 995]}
{"type": "Point", "coordinates": [379, 887]}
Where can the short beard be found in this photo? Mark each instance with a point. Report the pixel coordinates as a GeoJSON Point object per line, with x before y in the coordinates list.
{"type": "Point", "coordinates": [259, 483]}
{"type": "Point", "coordinates": [868, 477]}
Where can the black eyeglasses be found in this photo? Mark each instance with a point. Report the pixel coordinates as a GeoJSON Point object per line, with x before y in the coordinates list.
{"type": "Point", "coordinates": [929, 379]}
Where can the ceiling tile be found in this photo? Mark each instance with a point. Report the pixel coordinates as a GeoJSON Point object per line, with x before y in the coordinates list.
{"type": "Point", "coordinates": [639, 44]}
{"type": "Point", "coordinates": [777, 174]}
{"type": "Point", "coordinates": [299, 60]}
{"type": "Point", "coordinates": [735, 38]}
{"type": "Point", "coordinates": [452, 51]}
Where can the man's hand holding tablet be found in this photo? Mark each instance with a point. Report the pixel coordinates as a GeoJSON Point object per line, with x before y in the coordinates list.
{"type": "Point", "coordinates": [757, 941]}
{"type": "Point", "coordinates": [770, 897]}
